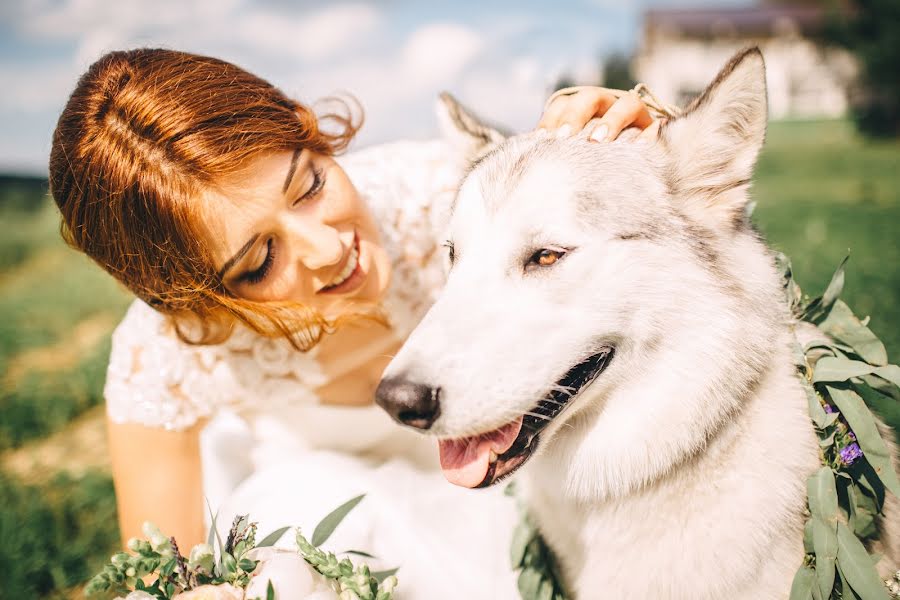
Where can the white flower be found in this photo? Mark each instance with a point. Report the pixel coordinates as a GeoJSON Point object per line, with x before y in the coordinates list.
{"type": "Point", "coordinates": [202, 556]}
{"type": "Point", "coordinates": [158, 541]}
{"type": "Point", "coordinates": [138, 595]}
{"type": "Point", "coordinates": [211, 592]}
{"type": "Point", "coordinates": [292, 577]}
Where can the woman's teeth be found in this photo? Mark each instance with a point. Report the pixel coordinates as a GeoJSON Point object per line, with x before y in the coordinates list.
{"type": "Point", "coordinates": [348, 269]}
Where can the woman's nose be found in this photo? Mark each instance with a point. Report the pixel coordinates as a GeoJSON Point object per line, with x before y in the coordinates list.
{"type": "Point", "coordinates": [317, 245]}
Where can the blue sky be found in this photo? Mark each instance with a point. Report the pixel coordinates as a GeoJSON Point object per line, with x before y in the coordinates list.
{"type": "Point", "coordinates": [395, 56]}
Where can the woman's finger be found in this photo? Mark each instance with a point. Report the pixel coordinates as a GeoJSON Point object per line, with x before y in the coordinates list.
{"type": "Point", "coordinates": [651, 132]}
{"type": "Point", "coordinates": [627, 111]}
{"type": "Point", "coordinates": [575, 107]}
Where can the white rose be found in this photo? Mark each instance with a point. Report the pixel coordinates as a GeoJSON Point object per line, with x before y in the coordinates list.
{"type": "Point", "coordinates": [211, 592]}
{"type": "Point", "coordinates": [292, 577]}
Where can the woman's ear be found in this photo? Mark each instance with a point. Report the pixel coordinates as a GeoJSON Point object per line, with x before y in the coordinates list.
{"type": "Point", "coordinates": [464, 130]}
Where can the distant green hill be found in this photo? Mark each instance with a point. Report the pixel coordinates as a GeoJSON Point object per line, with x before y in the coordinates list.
{"type": "Point", "coordinates": [22, 192]}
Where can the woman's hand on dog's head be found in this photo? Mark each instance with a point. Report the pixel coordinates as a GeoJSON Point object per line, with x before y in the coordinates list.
{"type": "Point", "coordinates": [571, 109]}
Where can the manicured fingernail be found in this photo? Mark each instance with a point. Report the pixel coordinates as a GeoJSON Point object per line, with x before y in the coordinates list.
{"type": "Point", "coordinates": [564, 131]}
{"type": "Point", "coordinates": [599, 134]}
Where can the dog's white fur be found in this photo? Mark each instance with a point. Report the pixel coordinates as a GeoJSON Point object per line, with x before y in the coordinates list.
{"type": "Point", "coordinates": [681, 472]}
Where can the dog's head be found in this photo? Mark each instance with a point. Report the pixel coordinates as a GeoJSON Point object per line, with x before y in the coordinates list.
{"type": "Point", "coordinates": [577, 269]}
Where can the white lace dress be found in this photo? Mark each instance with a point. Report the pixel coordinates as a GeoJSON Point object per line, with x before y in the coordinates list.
{"type": "Point", "coordinates": [274, 451]}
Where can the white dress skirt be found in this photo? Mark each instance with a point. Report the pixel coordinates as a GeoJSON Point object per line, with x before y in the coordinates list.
{"type": "Point", "coordinates": [273, 451]}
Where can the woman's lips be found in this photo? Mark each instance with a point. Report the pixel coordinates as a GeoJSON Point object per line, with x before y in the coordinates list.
{"type": "Point", "coordinates": [356, 277]}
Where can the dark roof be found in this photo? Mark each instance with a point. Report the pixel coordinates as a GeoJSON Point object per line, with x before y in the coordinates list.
{"type": "Point", "coordinates": [751, 19]}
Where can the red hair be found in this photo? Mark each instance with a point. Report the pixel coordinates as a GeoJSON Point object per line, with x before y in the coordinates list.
{"type": "Point", "coordinates": [144, 132]}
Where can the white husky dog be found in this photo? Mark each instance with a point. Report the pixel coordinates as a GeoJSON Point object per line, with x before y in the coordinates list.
{"type": "Point", "coordinates": [611, 315]}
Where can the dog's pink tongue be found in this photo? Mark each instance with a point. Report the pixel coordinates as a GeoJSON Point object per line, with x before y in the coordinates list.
{"type": "Point", "coordinates": [466, 461]}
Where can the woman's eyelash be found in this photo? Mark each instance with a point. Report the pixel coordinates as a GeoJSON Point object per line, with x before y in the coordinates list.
{"type": "Point", "coordinates": [259, 274]}
{"type": "Point", "coordinates": [318, 184]}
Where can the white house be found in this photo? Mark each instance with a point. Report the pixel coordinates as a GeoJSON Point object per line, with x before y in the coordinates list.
{"type": "Point", "coordinates": [681, 51]}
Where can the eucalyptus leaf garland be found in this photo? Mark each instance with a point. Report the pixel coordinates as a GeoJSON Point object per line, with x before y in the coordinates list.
{"type": "Point", "coordinates": [842, 377]}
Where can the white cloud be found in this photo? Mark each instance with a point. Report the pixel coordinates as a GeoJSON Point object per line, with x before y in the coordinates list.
{"type": "Point", "coordinates": [30, 90]}
{"type": "Point", "coordinates": [500, 65]}
{"type": "Point", "coordinates": [439, 51]}
{"type": "Point", "coordinates": [98, 25]}
{"type": "Point", "coordinates": [317, 36]}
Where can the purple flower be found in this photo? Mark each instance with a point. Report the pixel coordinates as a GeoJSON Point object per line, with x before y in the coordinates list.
{"type": "Point", "coordinates": [851, 435]}
{"type": "Point", "coordinates": [829, 408]}
{"type": "Point", "coordinates": [850, 453]}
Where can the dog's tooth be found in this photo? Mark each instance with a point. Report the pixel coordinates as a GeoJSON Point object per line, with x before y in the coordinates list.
{"type": "Point", "coordinates": [492, 458]}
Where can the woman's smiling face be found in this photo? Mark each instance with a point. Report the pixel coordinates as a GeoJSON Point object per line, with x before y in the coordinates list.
{"type": "Point", "coordinates": [292, 227]}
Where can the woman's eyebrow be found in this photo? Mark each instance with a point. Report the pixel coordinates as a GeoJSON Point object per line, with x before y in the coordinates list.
{"type": "Point", "coordinates": [237, 256]}
{"type": "Point", "coordinates": [291, 169]}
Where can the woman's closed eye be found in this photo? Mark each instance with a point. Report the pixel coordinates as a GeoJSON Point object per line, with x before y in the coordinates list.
{"type": "Point", "coordinates": [318, 184]}
{"type": "Point", "coordinates": [257, 275]}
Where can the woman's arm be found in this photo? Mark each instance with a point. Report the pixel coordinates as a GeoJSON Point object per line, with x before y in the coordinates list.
{"type": "Point", "coordinates": [158, 478]}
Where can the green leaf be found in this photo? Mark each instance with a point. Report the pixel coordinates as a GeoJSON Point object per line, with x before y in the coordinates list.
{"type": "Point", "coordinates": [522, 536]}
{"type": "Point", "coordinates": [843, 325]}
{"type": "Point", "coordinates": [835, 286]}
{"type": "Point", "coordinates": [826, 548]}
{"type": "Point", "coordinates": [801, 588]}
{"type": "Point", "coordinates": [808, 537]}
{"type": "Point", "coordinates": [272, 538]}
{"type": "Point", "coordinates": [327, 525]}
{"type": "Point", "coordinates": [857, 567]}
{"type": "Point", "coordinates": [863, 424]}
{"type": "Point", "coordinates": [828, 440]}
{"type": "Point", "coordinates": [862, 512]}
{"type": "Point", "coordinates": [270, 591]}
{"type": "Point", "coordinates": [247, 565]}
{"type": "Point", "coordinates": [867, 479]}
{"type": "Point", "coordinates": [382, 575]}
{"type": "Point", "coordinates": [816, 412]}
{"type": "Point", "coordinates": [229, 564]}
{"type": "Point", "coordinates": [214, 531]}
{"type": "Point", "coordinates": [823, 504]}
{"type": "Point", "coordinates": [359, 553]}
{"type": "Point", "coordinates": [885, 387]}
{"type": "Point", "coordinates": [831, 368]}
{"type": "Point", "coordinates": [822, 494]}
{"type": "Point", "coordinates": [846, 590]}
{"type": "Point", "coordinates": [890, 373]}
{"type": "Point", "coordinates": [529, 583]}
{"type": "Point", "coordinates": [167, 568]}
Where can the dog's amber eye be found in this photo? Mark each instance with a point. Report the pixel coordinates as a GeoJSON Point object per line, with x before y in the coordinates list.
{"type": "Point", "coordinates": [546, 257]}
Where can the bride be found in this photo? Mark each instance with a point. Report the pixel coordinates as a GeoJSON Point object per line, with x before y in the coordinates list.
{"type": "Point", "coordinates": [274, 282]}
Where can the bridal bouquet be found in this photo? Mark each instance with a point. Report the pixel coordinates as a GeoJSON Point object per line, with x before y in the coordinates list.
{"type": "Point", "coordinates": [242, 568]}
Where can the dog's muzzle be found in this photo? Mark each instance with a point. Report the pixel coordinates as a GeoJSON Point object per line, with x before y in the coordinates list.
{"type": "Point", "coordinates": [535, 421]}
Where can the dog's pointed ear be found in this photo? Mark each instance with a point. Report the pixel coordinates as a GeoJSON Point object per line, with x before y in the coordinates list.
{"type": "Point", "coordinates": [465, 130]}
{"type": "Point", "coordinates": [714, 145]}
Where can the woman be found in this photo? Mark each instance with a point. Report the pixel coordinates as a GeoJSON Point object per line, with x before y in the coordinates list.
{"type": "Point", "coordinates": [273, 283]}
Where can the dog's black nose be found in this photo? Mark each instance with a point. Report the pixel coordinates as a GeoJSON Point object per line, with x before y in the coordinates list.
{"type": "Point", "coordinates": [413, 404]}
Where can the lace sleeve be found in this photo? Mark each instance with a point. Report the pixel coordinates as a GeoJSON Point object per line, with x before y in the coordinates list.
{"type": "Point", "coordinates": [148, 369]}
{"type": "Point", "coordinates": [157, 380]}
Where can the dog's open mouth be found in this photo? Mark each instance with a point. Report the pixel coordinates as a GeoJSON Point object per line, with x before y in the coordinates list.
{"type": "Point", "coordinates": [485, 459]}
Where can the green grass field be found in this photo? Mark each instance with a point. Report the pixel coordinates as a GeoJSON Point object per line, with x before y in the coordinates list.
{"type": "Point", "coordinates": [821, 192]}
